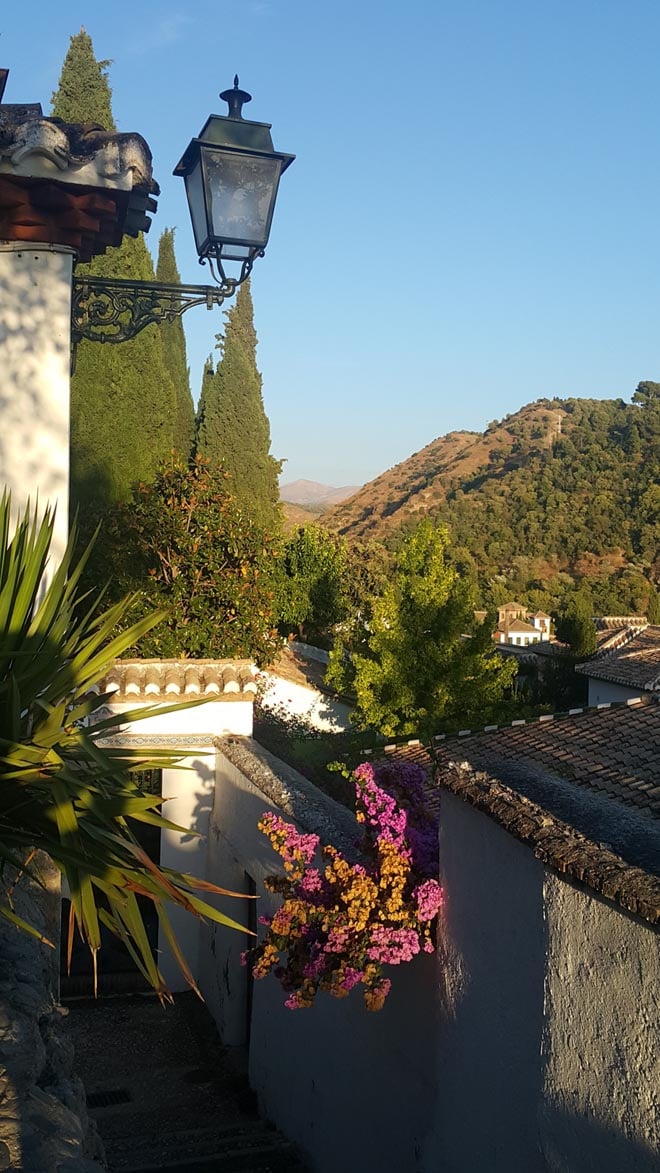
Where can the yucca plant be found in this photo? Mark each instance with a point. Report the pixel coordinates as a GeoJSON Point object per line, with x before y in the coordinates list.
{"type": "Point", "coordinates": [61, 789]}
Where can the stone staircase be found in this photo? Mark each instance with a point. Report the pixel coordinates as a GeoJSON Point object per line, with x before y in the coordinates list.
{"type": "Point", "coordinates": [166, 1095]}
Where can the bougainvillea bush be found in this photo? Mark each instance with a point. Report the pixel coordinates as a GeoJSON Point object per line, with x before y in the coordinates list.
{"type": "Point", "coordinates": [340, 924]}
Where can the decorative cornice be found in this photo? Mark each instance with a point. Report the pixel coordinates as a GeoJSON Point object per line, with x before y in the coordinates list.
{"type": "Point", "coordinates": [148, 682]}
{"type": "Point", "coordinates": [69, 184]}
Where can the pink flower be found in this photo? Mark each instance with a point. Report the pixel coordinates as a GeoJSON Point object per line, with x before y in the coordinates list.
{"type": "Point", "coordinates": [429, 899]}
{"type": "Point", "coordinates": [392, 946]}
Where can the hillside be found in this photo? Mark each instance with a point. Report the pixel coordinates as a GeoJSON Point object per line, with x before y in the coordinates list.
{"type": "Point", "coordinates": [570, 483]}
{"type": "Point", "coordinates": [296, 515]}
{"type": "Point", "coordinates": [314, 495]}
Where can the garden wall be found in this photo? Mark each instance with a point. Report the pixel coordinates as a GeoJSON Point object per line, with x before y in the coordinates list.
{"type": "Point", "coordinates": [530, 1041]}
{"type": "Point", "coordinates": [44, 1127]}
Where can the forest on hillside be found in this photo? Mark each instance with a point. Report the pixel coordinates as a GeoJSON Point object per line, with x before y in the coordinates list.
{"type": "Point", "coordinates": [561, 492]}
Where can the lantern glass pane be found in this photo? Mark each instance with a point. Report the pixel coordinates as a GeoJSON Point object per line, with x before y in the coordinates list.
{"type": "Point", "coordinates": [242, 190]}
{"type": "Point", "coordinates": [195, 193]}
{"type": "Point", "coordinates": [235, 252]}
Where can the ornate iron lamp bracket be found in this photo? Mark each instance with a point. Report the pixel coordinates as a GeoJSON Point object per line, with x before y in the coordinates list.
{"type": "Point", "coordinates": [113, 310]}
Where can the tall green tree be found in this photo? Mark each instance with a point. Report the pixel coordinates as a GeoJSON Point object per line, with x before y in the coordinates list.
{"type": "Point", "coordinates": [122, 396]}
{"type": "Point", "coordinates": [425, 660]}
{"type": "Point", "coordinates": [174, 352]}
{"type": "Point", "coordinates": [313, 590]}
{"type": "Point", "coordinates": [575, 625]}
{"type": "Point", "coordinates": [183, 545]}
{"type": "Point", "coordinates": [232, 428]}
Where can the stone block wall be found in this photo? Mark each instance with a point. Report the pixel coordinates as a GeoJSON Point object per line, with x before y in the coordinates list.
{"type": "Point", "coordinates": [44, 1127]}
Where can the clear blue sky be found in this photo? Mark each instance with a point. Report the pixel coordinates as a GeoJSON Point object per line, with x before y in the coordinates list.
{"type": "Point", "coordinates": [472, 221]}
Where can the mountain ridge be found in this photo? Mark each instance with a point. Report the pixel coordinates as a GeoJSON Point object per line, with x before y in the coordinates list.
{"type": "Point", "coordinates": [560, 481]}
{"type": "Point", "coordinates": [313, 493]}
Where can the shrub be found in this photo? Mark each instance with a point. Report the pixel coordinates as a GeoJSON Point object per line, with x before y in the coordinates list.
{"type": "Point", "coordinates": [340, 925]}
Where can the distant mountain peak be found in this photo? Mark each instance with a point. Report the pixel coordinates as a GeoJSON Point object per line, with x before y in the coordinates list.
{"type": "Point", "coordinates": [313, 493]}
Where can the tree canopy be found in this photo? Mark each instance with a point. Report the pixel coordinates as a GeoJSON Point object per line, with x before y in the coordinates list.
{"type": "Point", "coordinates": [174, 353]}
{"type": "Point", "coordinates": [184, 545]}
{"type": "Point", "coordinates": [424, 659]}
{"type": "Point", "coordinates": [122, 396]}
{"type": "Point", "coordinates": [313, 592]}
{"type": "Point", "coordinates": [232, 428]}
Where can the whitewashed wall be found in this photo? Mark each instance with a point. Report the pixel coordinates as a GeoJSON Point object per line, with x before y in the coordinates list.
{"type": "Point", "coordinates": [530, 1043]}
{"type": "Point", "coordinates": [315, 708]}
{"type": "Point", "coordinates": [35, 352]}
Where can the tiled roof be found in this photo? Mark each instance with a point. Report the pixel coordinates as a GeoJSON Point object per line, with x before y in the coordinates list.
{"type": "Point", "coordinates": [582, 790]}
{"type": "Point", "coordinates": [166, 680]}
{"type": "Point", "coordinates": [290, 665]}
{"type": "Point", "coordinates": [635, 662]}
{"type": "Point", "coordinates": [518, 625]}
{"type": "Point", "coordinates": [558, 844]}
{"type": "Point", "coordinates": [610, 622]}
{"type": "Point", "coordinates": [71, 184]}
{"type": "Point", "coordinates": [549, 647]}
{"type": "Point", "coordinates": [614, 751]}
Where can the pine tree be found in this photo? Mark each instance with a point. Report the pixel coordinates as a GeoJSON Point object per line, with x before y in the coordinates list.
{"type": "Point", "coordinates": [122, 397]}
{"type": "Point", "coordinates": [232, 427]}
{"type": "Point", "coordinates": [84, 93]}
{"type": "Point", "coordinates": [174, 352]}
{"type": "Point", "coordinates": [423, 661]}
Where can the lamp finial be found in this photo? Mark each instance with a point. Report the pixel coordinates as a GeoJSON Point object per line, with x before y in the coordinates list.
{"type": "Point", "coordinates": [235, 99]}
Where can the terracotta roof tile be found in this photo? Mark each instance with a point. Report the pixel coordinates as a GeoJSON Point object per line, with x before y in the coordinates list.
{"type": "Point", "coordinates": [169, 680]}
{"type": "Point", "coordinates": [635, 662]}
{"type": "Point", "coordinates": [583, 791]}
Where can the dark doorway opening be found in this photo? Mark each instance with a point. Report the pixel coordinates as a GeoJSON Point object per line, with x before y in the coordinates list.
{"type": "Point", "coordinates": [117, 973]}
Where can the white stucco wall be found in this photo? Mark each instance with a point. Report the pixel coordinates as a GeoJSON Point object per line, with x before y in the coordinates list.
{"type": "Point", "coordinates": [603, 692]}
{"type": "Point", "coordinates": [488, 1043]}
{"type": "Point", "coordinates": [355, 1089]}
{"type": "Point", "coordinates": [35, 356]}
{"type": "Point", "coordinates": [188, 799]}
{"type": "Point", "coordinates": [212, 718]}
{"type": "Point", "coordinates": [601, 1042]}
{"type": "Point", "coordinates": [188, 792]}
{"type": "Point", "coordinates": [316, 708]}
{"type": "Point", "coordinates": [549, 1042]}
{"type": "Point", "coordinates": [529, 1043]}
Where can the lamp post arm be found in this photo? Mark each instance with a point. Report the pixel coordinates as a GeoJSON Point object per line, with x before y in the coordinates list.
{"type": "Point", "coordinates": [113, 310]}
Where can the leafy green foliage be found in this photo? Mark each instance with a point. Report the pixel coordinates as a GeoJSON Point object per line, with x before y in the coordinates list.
{"type": "Point", "coordinates": [561, 491]}
{"type": "Point", "coordinates": [62, 790]}
{"type": "Point", "coordinates": [183, 544]}
{"type": "Point", "coordinates": [647, 394]}
{"type": "Point", "coordinates": [232, 427]}
{"type": "Point", "coordinates": [122, 396]}
{"type": "Point", "coordinates": [174, 352]}
{"type": "Point", "coordinates": [84, 93]}
{"type": "Point", "coordinates": [575, 625]}
{"type": "Point", "coordinates": [425, 659]}
{"type": "Point", "coordinates": [313, 590]}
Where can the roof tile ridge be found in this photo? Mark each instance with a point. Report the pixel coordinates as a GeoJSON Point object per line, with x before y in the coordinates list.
{"type": "Point", "coordinates": [450, 739]}
{"type": "Point", "coordinates": [591, 864]}
{"type": "Point", "coordinates": [620, 640]}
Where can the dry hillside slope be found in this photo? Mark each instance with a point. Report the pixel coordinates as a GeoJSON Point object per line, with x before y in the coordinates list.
{"type": "Point", "coordinates": [421, 484]}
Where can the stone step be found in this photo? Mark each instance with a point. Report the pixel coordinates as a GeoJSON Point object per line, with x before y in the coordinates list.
{"type": "Point", "coordinates": [251, 1148]}
{"type": "Point", "coordinates": [165, 1094]}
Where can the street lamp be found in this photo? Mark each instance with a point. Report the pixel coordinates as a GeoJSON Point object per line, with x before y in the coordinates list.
{"type": "Point", "coordinates": [232, 173]}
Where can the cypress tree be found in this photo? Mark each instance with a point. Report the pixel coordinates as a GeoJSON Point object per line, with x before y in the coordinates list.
{"type": "Point", "coordinates": [232, 427]}
{"type": "Point", "coordinates": [174, 353]}
{"type": "Point", "coordinates": [122, 397]}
